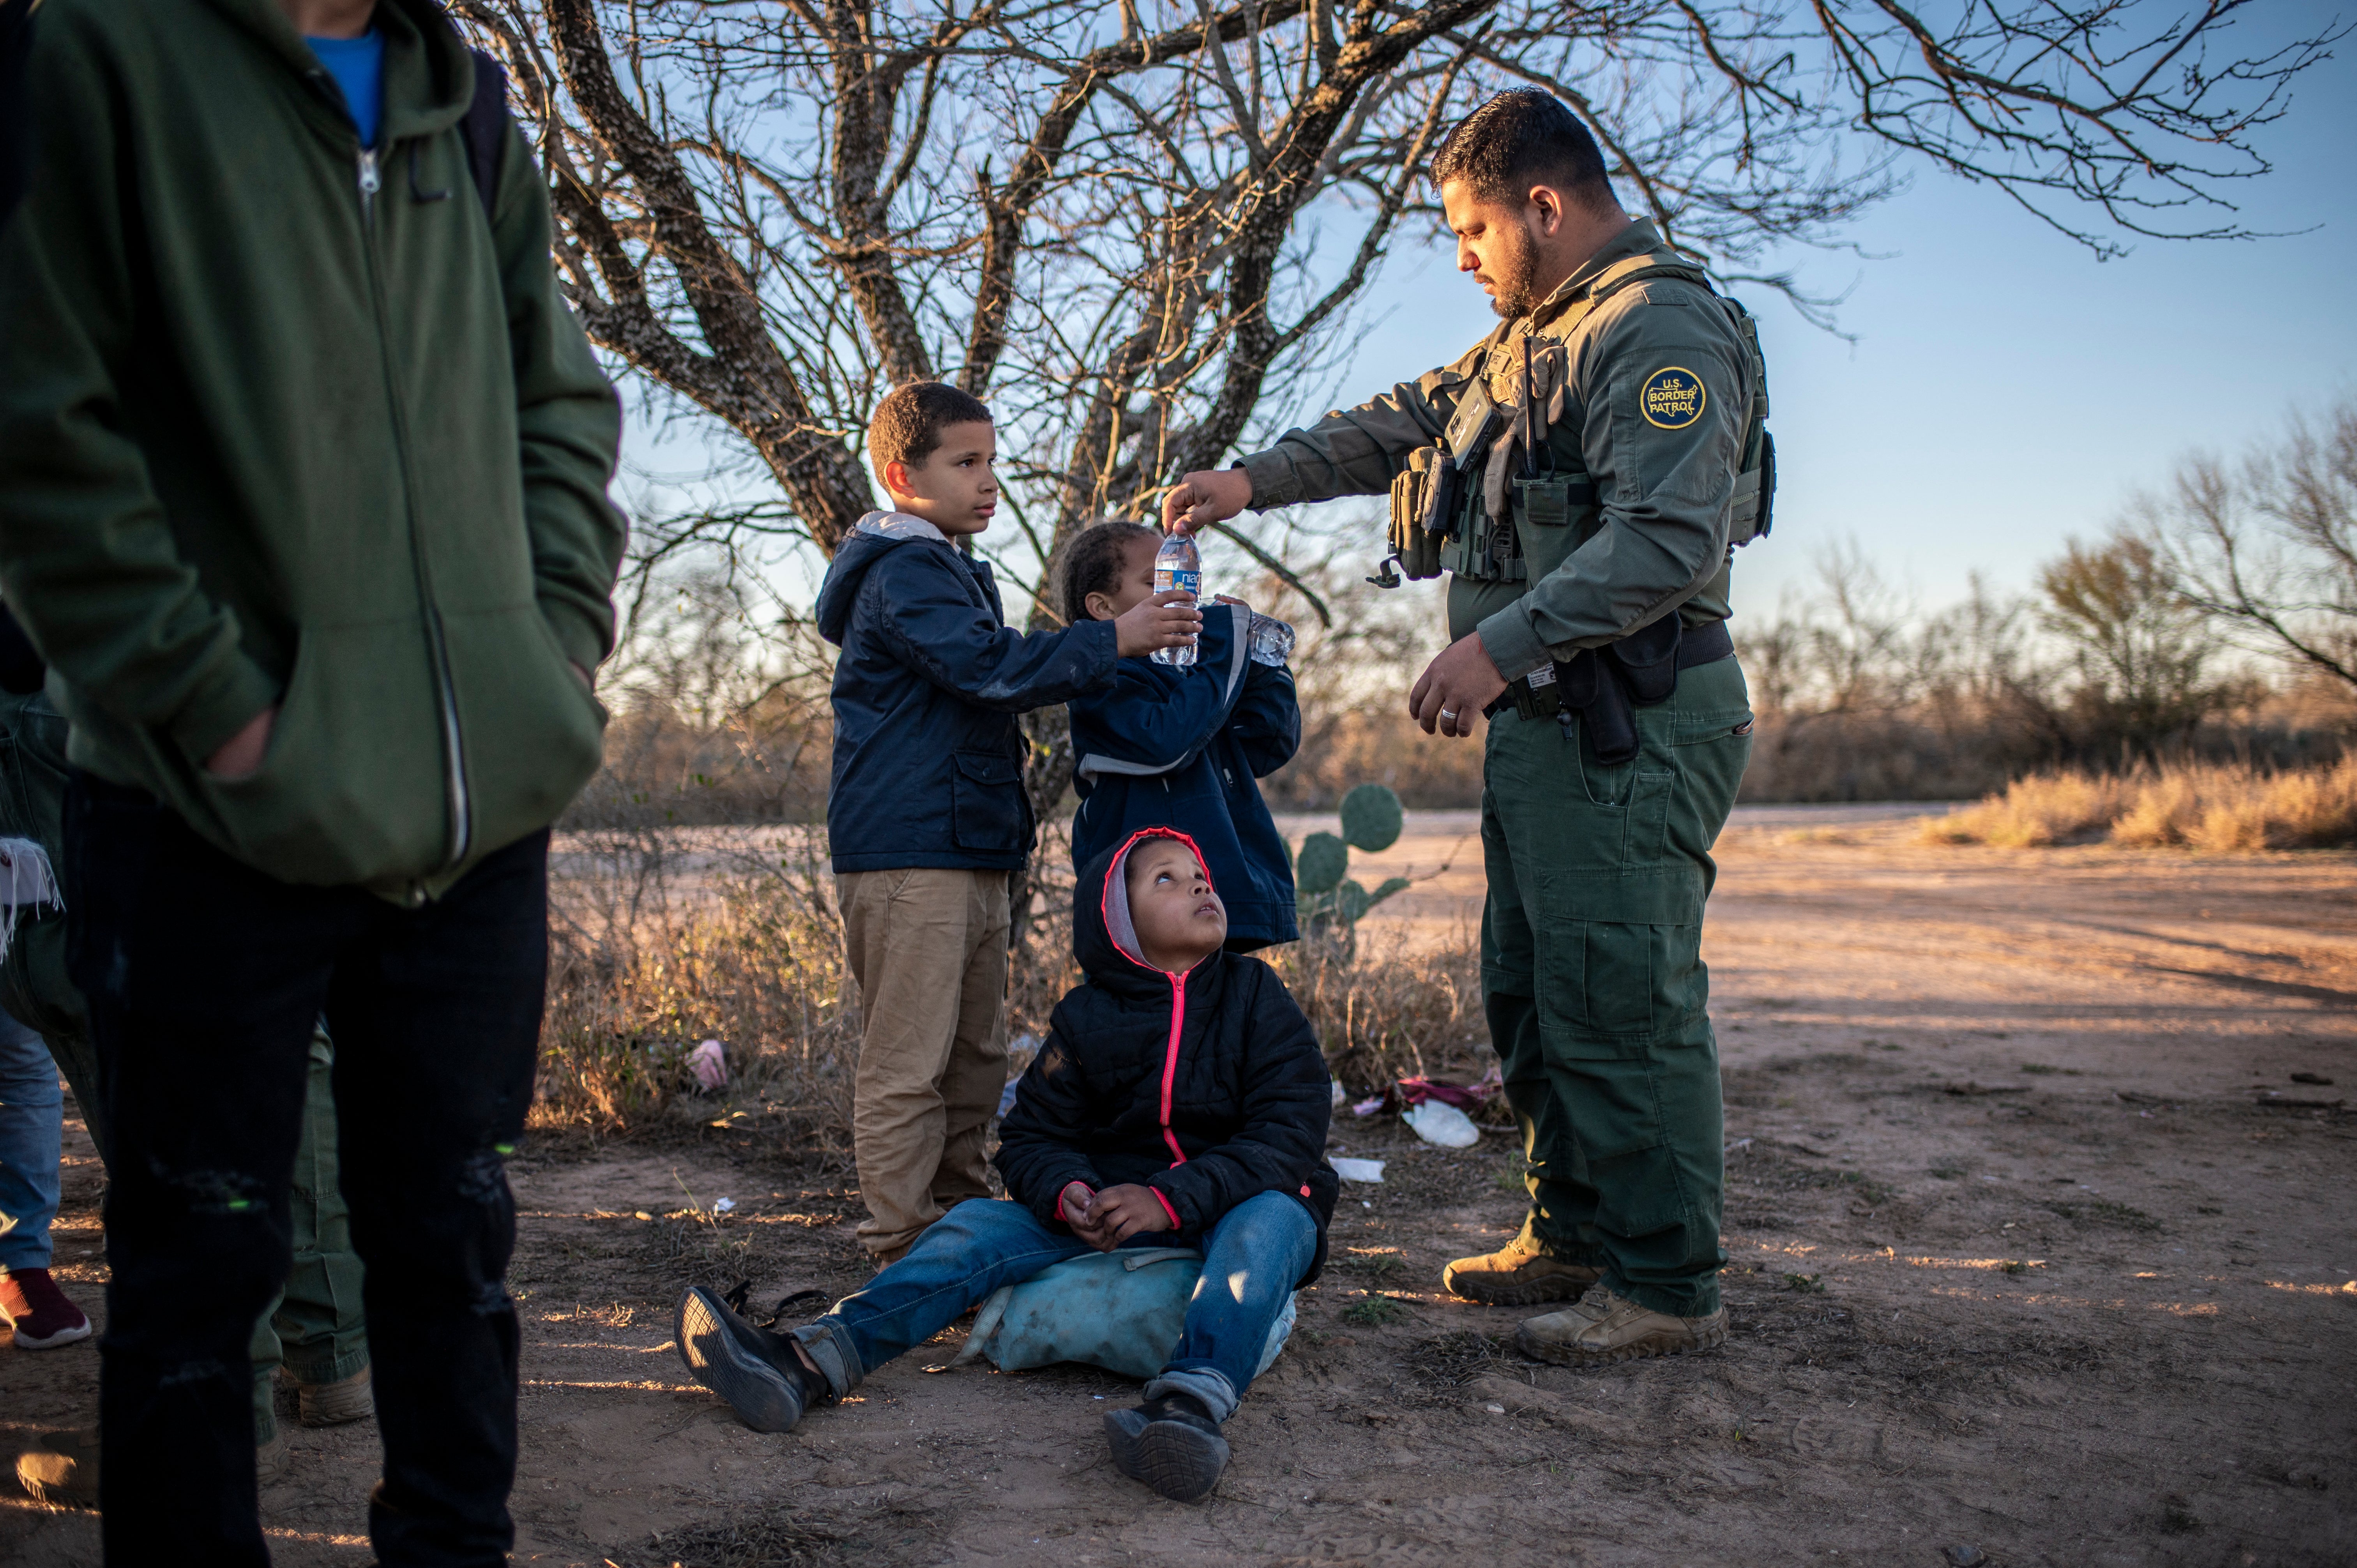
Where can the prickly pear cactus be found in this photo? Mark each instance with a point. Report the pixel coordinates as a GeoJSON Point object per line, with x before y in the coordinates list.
{"type": "Point", "coordinates": [1331, 904]}
{"type": "Point", "coordinates": [1372, 818]}
{"type": "Point", "coordinates": [1322, 863]}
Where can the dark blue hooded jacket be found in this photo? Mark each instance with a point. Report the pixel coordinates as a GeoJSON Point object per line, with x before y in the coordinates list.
{"type": "Point", "coordinates": [927, 761]}
{"type": "Point", "coordinates": [1181, 745]}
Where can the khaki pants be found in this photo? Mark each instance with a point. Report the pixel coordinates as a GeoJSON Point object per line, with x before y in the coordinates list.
{"type": "Point", "coordinates": [928, 950]}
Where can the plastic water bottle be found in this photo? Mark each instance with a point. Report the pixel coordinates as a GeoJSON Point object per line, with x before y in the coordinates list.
{"type": "Point", "coordinates": [1177, 566]}
{"type": "Point", "coordinates": [1271, 640]}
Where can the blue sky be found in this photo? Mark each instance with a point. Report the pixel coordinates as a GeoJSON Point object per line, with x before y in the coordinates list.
{"type": "Point", "coordinates": [2007, 391]}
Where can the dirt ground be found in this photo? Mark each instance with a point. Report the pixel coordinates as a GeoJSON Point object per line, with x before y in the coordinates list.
{"type": "Point", "coordinates": [2038, 1254]}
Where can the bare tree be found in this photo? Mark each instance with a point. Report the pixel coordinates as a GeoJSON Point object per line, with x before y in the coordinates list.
{"type": "Point", "coordinates": [1127, 223]}
{"type": "Point", "coordinates": [2269, 550]}
{"type": "Point", "coordinates": [1133, 225]}
{"type": "Point", "coordinates": [2143, 653]}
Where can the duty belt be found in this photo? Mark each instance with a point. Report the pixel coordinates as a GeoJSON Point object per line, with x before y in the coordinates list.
{"type": "Point", "coordinates": [1604, 686]}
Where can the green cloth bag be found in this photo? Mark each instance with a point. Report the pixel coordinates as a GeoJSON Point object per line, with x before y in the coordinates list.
{"type": "Point", "coordinates": [1122, 1310]}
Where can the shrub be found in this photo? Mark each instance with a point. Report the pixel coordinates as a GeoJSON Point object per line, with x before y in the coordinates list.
{"type": "Point", "coordinates": [2217, 808]}
{"type": "Point", "coordinates": [664, 937]}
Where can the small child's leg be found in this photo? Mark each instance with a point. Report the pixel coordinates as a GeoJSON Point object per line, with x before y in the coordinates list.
{"type": "Point", "coordinates": [1254, 1255]}
{"type": "Point", "coordinates": [968, 1254]}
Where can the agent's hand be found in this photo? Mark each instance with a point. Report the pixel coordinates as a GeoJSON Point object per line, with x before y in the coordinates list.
{"type": "Point", "coordinates": [240, 757]}
{"type": "Point", "coordinates": [1205, 497]}
{"type": "Point", "coordinates": [1120, 1212]}
{"type": "Point", "coordinates": [1454, 688]}
{"type": "Point", "coordinates": [1076, 1201]}
{"type": "Point", "coordinates": [1167, 620]}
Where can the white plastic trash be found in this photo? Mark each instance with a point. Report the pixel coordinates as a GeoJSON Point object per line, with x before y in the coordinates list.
{"type": "Point", "coordinates": [1438, 1121]}
{"type": "Point", "coordinates": [1356, 1170]}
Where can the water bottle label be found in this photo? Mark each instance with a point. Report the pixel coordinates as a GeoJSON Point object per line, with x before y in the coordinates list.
{"type": "Point", "coordinates": [1166, 579]}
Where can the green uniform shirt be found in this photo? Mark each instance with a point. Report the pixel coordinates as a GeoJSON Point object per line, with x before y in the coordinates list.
{"type": "Point", "coordinates": [1660, 388]}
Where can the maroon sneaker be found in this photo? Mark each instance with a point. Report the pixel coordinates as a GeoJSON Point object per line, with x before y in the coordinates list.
{"type": "Point", "coordinates": [38, 1310]}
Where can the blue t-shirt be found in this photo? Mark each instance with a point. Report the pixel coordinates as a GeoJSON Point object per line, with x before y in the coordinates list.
{"type": "Point", "coordinates": [358, 66]}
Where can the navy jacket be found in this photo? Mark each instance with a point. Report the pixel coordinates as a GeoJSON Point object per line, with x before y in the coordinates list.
{"type": "Point", "coordinates": [1206, 1087]}
{"type": "Point", "coordinates": [927, 761]}
{"type": "Point", "coordinates": [1182, 744]}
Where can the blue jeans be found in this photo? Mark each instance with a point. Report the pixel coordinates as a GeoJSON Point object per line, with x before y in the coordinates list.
{"type": "Point", "coordinates": [1252, 1256]}
{"type": "Point", "coordinates": [32, 1112]}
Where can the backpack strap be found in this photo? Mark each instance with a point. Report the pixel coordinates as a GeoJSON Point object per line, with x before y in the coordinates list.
{"type": "Point", "coordinates": [484, 128]}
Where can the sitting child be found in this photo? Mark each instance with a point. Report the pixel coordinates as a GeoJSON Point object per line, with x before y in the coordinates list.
{"type": "Point", "coordinates": [1181, 1100]}
{"type": "Point", "coordinates": [1182, 744]}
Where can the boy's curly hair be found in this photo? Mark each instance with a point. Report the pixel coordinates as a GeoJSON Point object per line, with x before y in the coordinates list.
{"type": "Point", "coordinates": [1091, 564]}
{"type": "Point", "coordinates": [909, 423]}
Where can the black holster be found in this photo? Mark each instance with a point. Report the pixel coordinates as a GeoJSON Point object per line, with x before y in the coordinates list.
{"type": "Point", "coordinates": [1606, 686]}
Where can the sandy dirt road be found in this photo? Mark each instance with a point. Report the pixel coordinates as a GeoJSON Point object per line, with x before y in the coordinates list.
{"type": "Point", "coordinates": [2038, 1254]}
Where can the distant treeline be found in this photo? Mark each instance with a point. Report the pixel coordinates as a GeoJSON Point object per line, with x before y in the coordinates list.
{"type": "Point", "coordinates": [2217, 622]}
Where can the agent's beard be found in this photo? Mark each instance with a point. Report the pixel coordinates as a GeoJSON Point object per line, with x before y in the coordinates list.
{"type": "Point", "coordinates": [1512, 272]}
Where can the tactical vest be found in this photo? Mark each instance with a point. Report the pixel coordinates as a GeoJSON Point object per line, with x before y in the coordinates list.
{"type": "Point", "coordinates": [1492, 501]}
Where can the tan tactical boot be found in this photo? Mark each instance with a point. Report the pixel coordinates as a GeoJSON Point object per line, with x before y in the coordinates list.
{"type": "Point", "coordinates": [1603, 1328]}
{"type": "Point", "coordinates": [62, 1469]}
{"type": "Point", "coordinates": [1514, 1276]}
{"type": "Point", "coordinates": [333, 1404]}
{"type": "Point", "coordinates": [269, 1460]}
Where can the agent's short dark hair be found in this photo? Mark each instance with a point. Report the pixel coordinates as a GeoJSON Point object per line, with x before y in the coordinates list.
{"type": "Point", "coordinates": [909, 420]}
{"type": "Point", "coordinates": [1091, 564]}
{"type": "Point", "coordinates": [1520, 139]}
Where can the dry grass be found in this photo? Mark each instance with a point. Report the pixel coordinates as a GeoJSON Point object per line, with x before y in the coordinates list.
{"type": "Point", "coordinates": [1383, 1010]}
{"type": "Point", "coordinates": [654, 951]}
{"type": "Point", "coordinates": [2213, 807]}
{"type": "Point", "coordinates": [650, 958]}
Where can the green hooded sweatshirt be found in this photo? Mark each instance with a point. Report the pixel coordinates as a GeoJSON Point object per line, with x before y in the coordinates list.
{"type": "Point", "coordinates": [287, 421]}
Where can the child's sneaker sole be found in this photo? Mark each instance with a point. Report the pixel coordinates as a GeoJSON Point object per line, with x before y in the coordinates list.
{"type": "Point", "coordinates": [722, 1354]}
{"type": "Point", "coordinates": [68, 1336]}
{"type": "Point", "coordinates": [1181, 1462]}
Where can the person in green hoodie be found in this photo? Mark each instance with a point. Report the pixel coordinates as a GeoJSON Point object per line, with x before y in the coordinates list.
{"type": "Point", "coordinates": [303, 464]}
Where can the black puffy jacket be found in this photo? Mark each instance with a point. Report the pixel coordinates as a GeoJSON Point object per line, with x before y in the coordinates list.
{"type": "Point", "coordinates": [1207, 1087]}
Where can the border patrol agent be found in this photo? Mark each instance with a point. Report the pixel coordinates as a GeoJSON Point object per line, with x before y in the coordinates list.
{"type": "Point", "coordinates": [1583, 475]}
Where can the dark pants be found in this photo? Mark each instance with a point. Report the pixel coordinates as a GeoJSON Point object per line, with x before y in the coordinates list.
{"type": "Point", "coordinates": [204, 979]}
{"type": "Point", "coordinates": [1597, 994]}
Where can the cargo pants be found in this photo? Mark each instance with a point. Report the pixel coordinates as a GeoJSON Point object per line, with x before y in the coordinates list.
{"type": "Point", "coordinates": [315, 1328]}
{"type": "Point", "coordinates": [1593, 981]}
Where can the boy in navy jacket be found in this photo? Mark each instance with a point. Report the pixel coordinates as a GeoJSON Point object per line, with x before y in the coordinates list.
{"type": "Point", "coordinates": [1183, 744]}
{"type": "Point", "coordinates": [926, 812]}
{"type": "Point", "coordinates": [1180, 1101]}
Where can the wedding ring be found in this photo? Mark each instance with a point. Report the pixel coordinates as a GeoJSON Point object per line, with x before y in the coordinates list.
{"type": "Point", "coordinates": [1447, 713]}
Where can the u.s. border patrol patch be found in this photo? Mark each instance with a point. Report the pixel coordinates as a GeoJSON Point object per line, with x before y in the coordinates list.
{"type": "Point", "coordinates": [1672, 398]}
